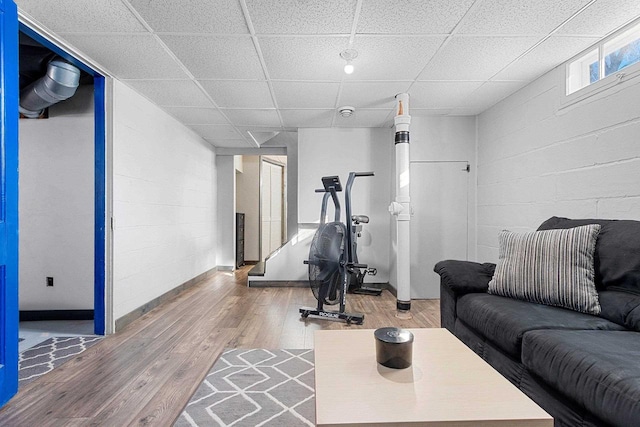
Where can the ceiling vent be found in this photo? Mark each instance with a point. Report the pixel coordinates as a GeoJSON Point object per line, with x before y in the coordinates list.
{"type": "Point", "coordinates": [59, 83]}
{"type": "Point", "coordinates": [346, 111]}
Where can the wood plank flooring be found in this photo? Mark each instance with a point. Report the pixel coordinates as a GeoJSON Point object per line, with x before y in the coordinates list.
{"type": "Point", "coordinates": [146, 373]}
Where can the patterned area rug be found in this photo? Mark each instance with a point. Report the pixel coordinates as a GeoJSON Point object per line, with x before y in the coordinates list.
{"type": "Point", "coordinates": [49, 354]}
{"type": "Point", "coordinates": [255, 387]}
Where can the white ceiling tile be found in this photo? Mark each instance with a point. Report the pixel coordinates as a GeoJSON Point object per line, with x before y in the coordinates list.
{"type": "Point", "coordinates": [128, 56]}
{"type": "Point", "coordinates": [171, 93]}
{"type": "Point", "coordinates": [365, 118]}
{"type": "Point", "coordinates": [239, 94]}
{"type": "Point", "coordinates": [548, 55]}
{"type": "Point", "coordinates": [441, 95]}
{"type": "Point", "coordinates": [216, 132]}
{"type": "Point", "coordinates": [230, 143]}
{"type": "Point", "coordinates": [261, 134]}
{"type": "Point", "coordinates": [519, 16]}
{"type": "Point", "coordinates": [105, 16]}
{"type": "Point", "coordinates": [302, 17]}
{"type": "Point", "coordinates": [304, 58]}
{"type": "Point", "coordinates": [253, 117]}
{"type": "Point", "coordinates": [602, 17]}
{"type": "Point", "coordinates": [307, 118]}
{"type": "Point", "coordinates": [467, 111]}
{"type": "Point", "coordinates": [305, 94]}
{"type": "Point", "coordinates": [487, 95]}
{"type": "Point", "coordinates": [192, 16]}
{"type": "Point", "coordinates": [430, 111]}
{"type": "Point", "coordinates": [216, 57]}
{"type": "Point", "coordinates": [392, 57]}
{"type": "Point", "coordinates": [475, 58]}
{"type": "Point", "coordinates": [197, 116]}
{"type": "Point", "coordinates": [412, 16]}
{"type": "Point", "coordinates": [371, 94]}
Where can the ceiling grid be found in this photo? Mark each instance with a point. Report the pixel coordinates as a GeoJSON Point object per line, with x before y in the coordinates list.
{"type": "Point", "coordinates": [226, 67]}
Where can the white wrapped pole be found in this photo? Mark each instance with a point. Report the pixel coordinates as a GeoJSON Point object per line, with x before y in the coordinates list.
{"type": "Point", "coordinates": [401, 207]}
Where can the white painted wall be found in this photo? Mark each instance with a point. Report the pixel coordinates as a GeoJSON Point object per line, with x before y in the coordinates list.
{"type": "Point", "coordinates": [248, 201]}
{"type": "Point", "coordinates": [338, 151]}
{"type": "Point", "coordinates": [226, 196]}
{"type": "Point", "coordinates": [449, 139]}
{"type": "Point", "coordinates": [164, 202]}
{"type": "Point", "coordinates": [438, 139]}
{"type": "Point", "coordinates": [56, 206]}
{"type": "Point", "coordinates": [538, 157]}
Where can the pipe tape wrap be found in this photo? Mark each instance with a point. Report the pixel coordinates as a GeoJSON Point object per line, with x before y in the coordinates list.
{"type": "Point", "coordinates": [403, 305]}
{"type": "Point", "coordinates": [402, 137]}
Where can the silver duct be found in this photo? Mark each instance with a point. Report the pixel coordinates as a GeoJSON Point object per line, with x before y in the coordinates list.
{"type": "Point", "coordinates": [60, 83]}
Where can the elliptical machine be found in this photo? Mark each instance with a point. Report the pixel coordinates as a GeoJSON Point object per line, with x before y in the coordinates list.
{"type": "Point", "coordinates": [331, 255]}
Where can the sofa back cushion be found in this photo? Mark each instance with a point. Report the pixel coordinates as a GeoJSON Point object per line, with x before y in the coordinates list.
{"type": "Point", "coordinates": [617, 254]}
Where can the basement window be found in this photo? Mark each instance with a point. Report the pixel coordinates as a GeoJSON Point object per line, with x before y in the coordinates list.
{"type": "Point", "coordinates": [608, 58]}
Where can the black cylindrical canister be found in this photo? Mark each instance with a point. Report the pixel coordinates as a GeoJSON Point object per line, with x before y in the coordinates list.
{"type": "Point", "coordinates": [394, 347]}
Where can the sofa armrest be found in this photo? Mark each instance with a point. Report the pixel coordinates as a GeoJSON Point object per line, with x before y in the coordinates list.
{"type": "Point", "coordinates": [464, 277]}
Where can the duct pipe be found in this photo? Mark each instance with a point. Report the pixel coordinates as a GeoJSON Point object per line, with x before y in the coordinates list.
{"type": "Point", "coordinates": [401, 207]}
{"type": "Point", "coordinates": [60, 83]}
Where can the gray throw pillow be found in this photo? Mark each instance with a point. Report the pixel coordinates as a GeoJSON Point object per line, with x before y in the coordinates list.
{"type": "Point", "coordinates": [552, 267]}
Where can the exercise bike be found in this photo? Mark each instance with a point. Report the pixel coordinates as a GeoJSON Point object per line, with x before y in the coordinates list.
{"type": "Point", "coordinates": [354, 229]}
{"type": "Point", "coordinates": [331, 255]}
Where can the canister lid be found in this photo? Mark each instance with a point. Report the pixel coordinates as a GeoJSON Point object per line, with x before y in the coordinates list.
{"type": "Point", "coordinates": [393, 335]}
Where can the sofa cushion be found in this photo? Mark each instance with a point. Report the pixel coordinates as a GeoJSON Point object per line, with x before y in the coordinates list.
{"type": "Point", "coordinates": [617, 254]}
{"type": "Point", "coordinates": [503, 321]}
{"type": "Point", "coordinates": [597, 369]}
{"type": "Point", "coordinates": [553, 267]}
{"type": "Point", "coordinates": [621, 307]}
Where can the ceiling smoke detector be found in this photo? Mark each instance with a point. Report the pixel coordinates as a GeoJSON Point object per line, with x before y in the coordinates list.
{"type": "Point", "coordinates": [346, 111]}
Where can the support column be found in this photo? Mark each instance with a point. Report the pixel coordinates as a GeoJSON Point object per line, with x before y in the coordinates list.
{"type": "Point", "coordinates": [401, 207]}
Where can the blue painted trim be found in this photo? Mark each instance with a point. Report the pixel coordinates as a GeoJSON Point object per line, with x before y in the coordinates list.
{"type": "Point", "coordinates": [99, 295]}
{"type": "Point", "coordinates": [9, 177]}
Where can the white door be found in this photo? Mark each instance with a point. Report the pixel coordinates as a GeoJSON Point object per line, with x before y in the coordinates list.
{"type": "Point", "coordinates": [271, 199]}
{"type": "Point", "coordinates": [276, 208]}
{"type": "Point", "coordinates": [439, 226]}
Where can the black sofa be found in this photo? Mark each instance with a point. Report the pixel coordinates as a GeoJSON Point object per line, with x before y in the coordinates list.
{"type": "Point", "coordinates": [582, 369]}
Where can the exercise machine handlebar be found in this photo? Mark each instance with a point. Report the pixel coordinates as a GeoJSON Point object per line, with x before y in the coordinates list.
{"type": "Point", "coordinates": [347, 202]}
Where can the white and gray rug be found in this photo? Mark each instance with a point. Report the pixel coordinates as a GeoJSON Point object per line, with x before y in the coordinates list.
{"type": "Point", "coordinates": [255, 387]}
{"type": "Point", "coordinates": [49, 354]}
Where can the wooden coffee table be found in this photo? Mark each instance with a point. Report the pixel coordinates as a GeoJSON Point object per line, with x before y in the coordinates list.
{"type": "Point", "coordinates": [447, 385]}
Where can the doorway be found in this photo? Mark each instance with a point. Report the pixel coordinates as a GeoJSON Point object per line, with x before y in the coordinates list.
{"type": "Point", "coordinates": [273, 222]}
{"type": "Point", "coordinates": [62, 204]}
{"type": "Point", "coordinates": [439, 197]}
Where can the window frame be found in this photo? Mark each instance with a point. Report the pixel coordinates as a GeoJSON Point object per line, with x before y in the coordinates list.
{"type": "Point", "coordinates": [604, 82]}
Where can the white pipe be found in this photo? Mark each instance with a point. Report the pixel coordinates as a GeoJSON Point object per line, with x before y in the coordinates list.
{"type": "Point", "coordinates": [401, 207]}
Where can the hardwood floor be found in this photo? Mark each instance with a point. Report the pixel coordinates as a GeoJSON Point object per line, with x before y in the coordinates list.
{"type": "Point", "coordinates": [146, 373]}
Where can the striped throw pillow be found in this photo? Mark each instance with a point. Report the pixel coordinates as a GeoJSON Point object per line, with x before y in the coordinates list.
{"type": "Point", "coordinates": [552, 267]}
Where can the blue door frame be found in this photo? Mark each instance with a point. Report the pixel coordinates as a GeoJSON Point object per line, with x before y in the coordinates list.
{"type": "Point", "coordinates": [8, 200]}
{"type": "Point", "coordinates": [99, 87]}
{"type": "Point", "coordinates": [9, 100]}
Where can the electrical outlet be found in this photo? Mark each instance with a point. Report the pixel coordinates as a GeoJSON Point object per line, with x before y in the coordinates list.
{"type": "Point", "coordinates": [49, 281]}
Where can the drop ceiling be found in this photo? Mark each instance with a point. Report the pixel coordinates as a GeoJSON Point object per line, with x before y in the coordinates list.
{"type": "Point", "coordinates": [228, 67]}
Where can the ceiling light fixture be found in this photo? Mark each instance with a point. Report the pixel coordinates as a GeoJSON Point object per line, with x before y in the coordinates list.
{"type": "Point", "coordinates": [349, 55]}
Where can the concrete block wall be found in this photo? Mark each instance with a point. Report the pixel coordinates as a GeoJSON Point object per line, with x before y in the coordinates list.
{"type": "Point", "coordinates": [164, 202]}
{"type": "Point", "coordinates": [540, 154]}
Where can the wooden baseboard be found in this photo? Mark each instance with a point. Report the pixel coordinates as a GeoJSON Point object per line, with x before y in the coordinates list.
{"type": "Point", "coordinates": [138, 312]}
{"type": "Point", "coordinates": [39, 315]}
